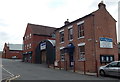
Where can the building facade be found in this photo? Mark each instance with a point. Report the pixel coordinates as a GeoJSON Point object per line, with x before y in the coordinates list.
{"type": "Point", "coordinates": [32, 37]}
{"type": "Point", "coordinates": [88, 42]}
{"type": "Point", "coordinates": [12, 51]}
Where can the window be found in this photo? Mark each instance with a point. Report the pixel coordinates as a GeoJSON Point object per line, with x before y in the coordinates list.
{"type": "Point", "coordinates": [114, 64]}
{"type": "Point", "coordinates": [82, 53]}
{"type": "Point", "coordinates": [106, 58]}
{"type": "Point", "coordinates": [70, 34]}
{"type": "Point", "coordinates": [81, 30]}
{"type": "Point", "coordinates": [25, 47]}
{"type": "Point", "coordinates": [62, 55]}
{"type": "Point", "coordinates": [30, 35]}
{"type": "Point", "coordinates": [62, 36]}
{"type": "Point", "coordinates": [30, 45]}
{"type": "Point", "coordinates": [25, 38]}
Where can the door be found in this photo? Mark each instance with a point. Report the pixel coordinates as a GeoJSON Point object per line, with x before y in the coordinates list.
{"type": "Point", "coordinates": [43, 56]}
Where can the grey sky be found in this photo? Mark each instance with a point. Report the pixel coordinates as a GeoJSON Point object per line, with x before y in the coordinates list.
{"type": "Point", "coordinates": [17, 13]}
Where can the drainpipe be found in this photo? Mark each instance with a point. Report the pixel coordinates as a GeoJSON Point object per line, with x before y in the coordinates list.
{"type": "Point", "coordinates": [94, 39]}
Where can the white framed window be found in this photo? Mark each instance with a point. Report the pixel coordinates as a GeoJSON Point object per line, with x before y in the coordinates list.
{"type": "Point", "coordinates": [30, 45]}
{"type": "Point", "coordinates": [27, 37]}
{"type": "Point", "coordinates": [81, 53]}
{"type": "Point", "coordinates": [61, 36]}
{"type": "Point", "coordinates": [27, 46]}
{"type": "Point", "coordinates": [70, 34]}
{"type": "Point", "coordinates": [24, 47]}
{"type": "Point", "coordinates": [80, 29]}
{"type": "Point", "coordinates": [30, 35]}
{"type": "Point", "coordinates": [62, 55]}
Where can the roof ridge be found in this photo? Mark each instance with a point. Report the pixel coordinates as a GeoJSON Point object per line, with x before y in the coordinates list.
{"type": "Point", "coordinates": [41, 25]}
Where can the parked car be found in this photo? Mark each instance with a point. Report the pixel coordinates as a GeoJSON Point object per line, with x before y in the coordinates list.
{"type": "Point", "coordinates": [112, 69]}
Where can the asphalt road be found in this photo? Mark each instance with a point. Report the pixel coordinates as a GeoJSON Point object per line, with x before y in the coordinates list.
{"type": "Point", "coordinates": [28, 71]}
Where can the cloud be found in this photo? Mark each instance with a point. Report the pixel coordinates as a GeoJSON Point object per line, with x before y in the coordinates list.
{"type": "Point", "coordinates": [17, 13]}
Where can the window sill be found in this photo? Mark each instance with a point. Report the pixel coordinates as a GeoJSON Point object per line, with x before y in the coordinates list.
{"type": "Point", "coordinates": [81, 60]}
{"type": "Point", "coordinates": [81, 37]}
{"type": "Point", "coordinates": [61, 42]}
{"type": "Point", "coordinates": [71, 40]}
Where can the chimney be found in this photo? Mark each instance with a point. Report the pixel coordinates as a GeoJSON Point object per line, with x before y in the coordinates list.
{"type": "Point", "coordinates": [101, 5]}
{"type": "Point", "coordinates": [66, 22]}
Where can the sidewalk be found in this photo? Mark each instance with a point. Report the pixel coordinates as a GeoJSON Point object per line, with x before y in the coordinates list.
{"type": "Point", "coordinates": [80, 72]}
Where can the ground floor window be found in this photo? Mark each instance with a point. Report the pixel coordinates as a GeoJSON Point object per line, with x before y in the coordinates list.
{"type": "Point", "coordinates": [81, 53]}
{"type": "Point", "coordinates": [106, 58]}
{"type": "Point", "coordinates": [62, 55]}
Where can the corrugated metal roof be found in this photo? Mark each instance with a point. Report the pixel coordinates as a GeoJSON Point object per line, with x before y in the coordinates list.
{"type": "Point", "coordinates": [52, 41]}
{"type": "Point", "coordinates": [15, 46]}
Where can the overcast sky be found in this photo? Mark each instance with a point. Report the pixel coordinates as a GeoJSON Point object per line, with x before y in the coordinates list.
{"type": "Point", "coordinates": [15, 14]}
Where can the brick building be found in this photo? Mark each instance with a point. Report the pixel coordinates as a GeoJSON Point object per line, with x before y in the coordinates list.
{"type": "Point", "coordinates": [32, 37]}
{"type": "Point", "coordinates": [89, 41]}
{"type": "Point", "coordinates": [12, 51]}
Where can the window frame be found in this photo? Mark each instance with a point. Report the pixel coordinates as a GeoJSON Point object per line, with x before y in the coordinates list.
{"type": "Point", "coordinates": [81, 53]}
{"type": "Point", "coordinates": [61, 36]}
{"type": "Point", "coordinates": [70, 34]}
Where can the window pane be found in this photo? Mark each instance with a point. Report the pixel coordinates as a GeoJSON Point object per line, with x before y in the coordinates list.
{"type": "Point", "coordinates": [81, 30]}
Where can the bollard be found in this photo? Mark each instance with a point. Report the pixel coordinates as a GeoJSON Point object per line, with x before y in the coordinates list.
{"type": "Point", "coordinates": [60, 64]}
{"type": "Point", "coordinates": [48, 64]}
{"type": "Point", "coordinates": [74, 66]}
{"type": "Point", "coordinates": [96, 69]}
{"type": "Point", "coordinates": [66, 65]}
{"type": "Point", "coordinates": [54, 65]}
{"type": "Point", "coordinates": [84, 67]}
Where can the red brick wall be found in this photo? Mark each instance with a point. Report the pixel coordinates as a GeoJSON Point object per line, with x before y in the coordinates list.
{"type": "Point", "coordinates": [34, 40]}
{"type": "Point", "coordinates": [99, 25]}
{"type": "Point", "coordinates": [9, 54]}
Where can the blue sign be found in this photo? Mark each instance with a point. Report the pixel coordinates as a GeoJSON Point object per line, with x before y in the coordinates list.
{"type": "Point", "coordinates": [106, 42]}
{"type": "Point", "coordinates": [106, 39]}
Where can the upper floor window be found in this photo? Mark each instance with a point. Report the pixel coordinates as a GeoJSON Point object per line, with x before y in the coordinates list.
{"type": "Point", "coordinates": [30, 45]}
{"type": "Point", "coordinates": [30, 35]}
{"type": "Point", "coordinates": [25, 38]}
{"type": "Point", "coordinates": [81, 29]}
{"type": "Point", "coordinates": [70, 33]}
{"type": "Point", "coordinates": [62, 36]}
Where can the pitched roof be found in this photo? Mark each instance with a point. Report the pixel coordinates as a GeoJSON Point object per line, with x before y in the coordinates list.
{"type": "Point", "coordinates": [15, 46]}
{"type": "Point", "coordinates": [41, 30]}
{"type": "Point", "coordinates": [91, 14]}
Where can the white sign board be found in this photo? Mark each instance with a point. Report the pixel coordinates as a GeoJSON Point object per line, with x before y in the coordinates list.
{"type": "Point", "coordinates": [43, 46]}
{"type": "Point", "coordinates": [106, 43]}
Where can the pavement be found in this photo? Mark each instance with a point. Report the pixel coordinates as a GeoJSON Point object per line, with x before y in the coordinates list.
{"type": "Point", "coordinates": [18, 70]}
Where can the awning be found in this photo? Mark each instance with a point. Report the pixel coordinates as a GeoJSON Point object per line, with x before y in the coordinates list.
{"type": "Point", "coordinates": [70, 48]}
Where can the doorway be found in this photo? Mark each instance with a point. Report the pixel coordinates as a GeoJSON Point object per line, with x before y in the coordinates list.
{"type": "Point", "coordinates": [43, 57]}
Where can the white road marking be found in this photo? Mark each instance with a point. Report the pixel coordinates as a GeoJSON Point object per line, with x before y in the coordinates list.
{"type": "Point", "coordinates": [7, 71]}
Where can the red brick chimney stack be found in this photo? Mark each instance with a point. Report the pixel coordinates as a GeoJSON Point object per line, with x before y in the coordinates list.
{"type": "Point", "coordinates": [101, 5]}
{"type": "Point", "coordinates": [66, 22]}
